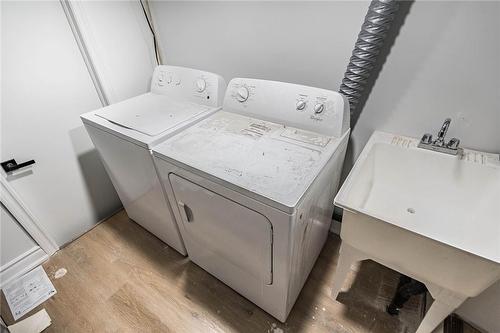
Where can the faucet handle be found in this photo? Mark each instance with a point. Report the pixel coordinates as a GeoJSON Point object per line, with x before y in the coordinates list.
{"type": "Point", "coordinates": [453, 143]}
{"type": "Point", "coordinates": [426, 138]}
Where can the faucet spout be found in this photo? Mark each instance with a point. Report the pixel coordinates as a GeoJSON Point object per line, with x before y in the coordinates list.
{"type": "Point", "coordinates": [442, 131]}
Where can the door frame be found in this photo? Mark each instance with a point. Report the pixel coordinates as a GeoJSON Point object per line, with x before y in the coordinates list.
{"type": "Point", "coordinates": [26, 219]}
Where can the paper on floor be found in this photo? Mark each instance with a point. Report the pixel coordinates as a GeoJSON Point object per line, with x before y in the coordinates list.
{"type": "Point", "coordinates": [33, 324]}
{"type": "Point", "coordinates": [28, 291]}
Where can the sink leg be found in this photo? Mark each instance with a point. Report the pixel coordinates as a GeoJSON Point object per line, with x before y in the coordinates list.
{"type": "Point", "coordinates": [407, 287]}
{"type": "Point", "coordinates": [441, 308]}
{"type": "Point", "coordinates": [347, 256]}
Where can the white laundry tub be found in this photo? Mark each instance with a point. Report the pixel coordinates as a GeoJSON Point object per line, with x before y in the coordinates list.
{"type": "Point", "coordinates": [428, 215]}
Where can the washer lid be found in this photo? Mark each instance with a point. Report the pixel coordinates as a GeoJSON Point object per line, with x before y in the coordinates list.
{"type": "Point", "coordinates": [151, 115]}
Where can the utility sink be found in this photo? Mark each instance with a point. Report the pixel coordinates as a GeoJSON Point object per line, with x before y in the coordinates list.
{"type": "Point", "coordinates": [429, 215]}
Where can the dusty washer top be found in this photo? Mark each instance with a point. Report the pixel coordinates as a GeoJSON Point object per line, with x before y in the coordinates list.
{"type": "Point", "coordinates": [271, 149]}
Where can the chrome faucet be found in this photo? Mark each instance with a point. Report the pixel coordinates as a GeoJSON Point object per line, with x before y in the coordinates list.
{"type": "Point", "coordinates": [442, 132]}
{"type": "Point", "coordinates": [440, 144]}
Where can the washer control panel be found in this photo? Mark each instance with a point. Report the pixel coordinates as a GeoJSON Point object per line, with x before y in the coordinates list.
{"type": "Point", "coordinates": [189, 84]}
{"type": "Point", "coordinates": [242, 94]}
{"type": "Point", "coordinates": [314, 109]}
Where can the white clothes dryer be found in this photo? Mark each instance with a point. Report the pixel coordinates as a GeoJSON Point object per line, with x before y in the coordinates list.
{"type": "Point", "coordinates": [252, 186]}
{"type": "Point", "coordinates": [123, 134]}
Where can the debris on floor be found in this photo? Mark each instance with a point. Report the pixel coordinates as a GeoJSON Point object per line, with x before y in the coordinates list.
{"type": "Point", "coordinates": [33, 324]}
{"type": "Point", "coordinates": [60, 273]}
{"type": "Point", "coordinates": [28, 291]}
{"type": "Point", "coordinates": [275, 329]}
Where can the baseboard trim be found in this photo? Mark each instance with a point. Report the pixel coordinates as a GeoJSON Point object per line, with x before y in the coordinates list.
{"type": "Point", "coordinates": [19, 258]}
{"type": "Point", "coordinates": [22, 265]}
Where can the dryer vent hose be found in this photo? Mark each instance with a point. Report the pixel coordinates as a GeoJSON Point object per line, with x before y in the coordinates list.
{"type": "Point", "coordinates": [370, 40]}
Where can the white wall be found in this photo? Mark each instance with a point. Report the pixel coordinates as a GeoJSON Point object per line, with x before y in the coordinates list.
{"type": "Point", "coordinates": [444, 64]}
{"type": "Point", "coordinates": [298, 42]}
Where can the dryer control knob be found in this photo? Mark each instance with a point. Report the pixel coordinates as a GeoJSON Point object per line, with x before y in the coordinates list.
{"type": "Point", "coordinates": [242, 94]}
{"type": "Point", "coordinates": [201, 85]}
{"type": "Point", "coordinates": [301, 105]}
{"type": "Point", "coordinates": [318, 108]}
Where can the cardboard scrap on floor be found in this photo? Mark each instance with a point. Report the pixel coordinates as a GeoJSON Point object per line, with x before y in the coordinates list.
{"type": "Point", "coordinates": [28, 291]}
{"type": "Point", "coordinates": [33, 324]}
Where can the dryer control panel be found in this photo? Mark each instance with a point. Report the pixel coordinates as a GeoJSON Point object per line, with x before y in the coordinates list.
{"type": "Point", "coordinates": [197, 86]}
{"type": "Point", "coordinates": [313, 109]}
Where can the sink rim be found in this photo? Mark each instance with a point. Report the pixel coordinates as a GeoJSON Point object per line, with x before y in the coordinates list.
{"type": "Point", "coordinates": [405, 142]}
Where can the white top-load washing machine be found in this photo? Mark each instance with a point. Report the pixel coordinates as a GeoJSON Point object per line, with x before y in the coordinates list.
{"type": "Point", "coordinates": [252, 186]}
{"type": "Point", "coordinates": [124, 133]}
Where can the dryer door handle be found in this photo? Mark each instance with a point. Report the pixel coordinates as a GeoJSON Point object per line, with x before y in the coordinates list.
{"type": "Point", "coordinates": [185, 212]}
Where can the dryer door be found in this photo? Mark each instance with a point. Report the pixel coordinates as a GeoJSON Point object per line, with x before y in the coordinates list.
{"type": "Point", "coordinates": [229, 240]}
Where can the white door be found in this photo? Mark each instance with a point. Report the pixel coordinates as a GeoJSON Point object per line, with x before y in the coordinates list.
{"type": "Point", "coordinates": [45, 87]}
{"type": "Point", "coordinates": [229, 240]}
{"type": "Point", "coordinates": [119, 44]}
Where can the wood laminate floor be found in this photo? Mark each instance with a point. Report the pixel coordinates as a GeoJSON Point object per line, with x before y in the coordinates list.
{"type": "Point", "coordinates": [120, 278]}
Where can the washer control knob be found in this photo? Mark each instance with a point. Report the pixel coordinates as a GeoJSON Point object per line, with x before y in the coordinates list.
{"type": "Point", "coordinates": [318, 108]}
{"type": "Point", "coordinates": [242, 94]}
{"type": "Point", "coordinates": [201, 85]}
{"type": "Point", "coordinates": [301, 105]}
{"type": "Point", "coordinates": [161, 79]}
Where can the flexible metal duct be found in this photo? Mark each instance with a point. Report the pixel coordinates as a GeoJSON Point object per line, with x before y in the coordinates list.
{"type": "Point", "coordinates": [370, 40]}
